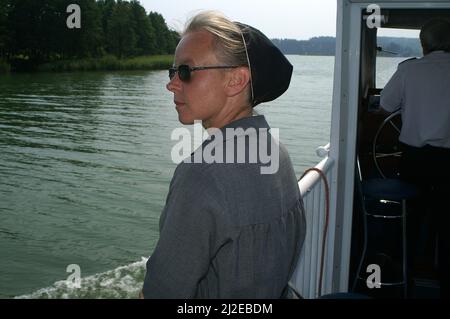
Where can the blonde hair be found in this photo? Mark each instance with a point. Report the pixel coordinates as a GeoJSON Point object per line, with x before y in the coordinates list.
{"type": "Point", "coordinates": [229, 44]}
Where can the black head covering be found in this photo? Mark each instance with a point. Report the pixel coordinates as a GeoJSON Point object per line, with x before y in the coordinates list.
{"type": "Point", "coordinates": [270, 70]}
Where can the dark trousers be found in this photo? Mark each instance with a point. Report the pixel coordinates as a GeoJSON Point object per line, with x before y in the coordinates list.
{"type": "Point", "coordinates": [428, 168]}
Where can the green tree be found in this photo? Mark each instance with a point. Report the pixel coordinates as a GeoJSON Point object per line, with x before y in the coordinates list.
{"type": "Point", "coordinates": [4, 11]}
{"type": "Point", "coordinates": [143, 29]}
{"type": "Point", "coordinates": [21, 16]}
{"type": "Point", "coordinates": [174, 38]}
{"type": "Point", "coordinates": [106, 8]}
{"type": "Point", "coordinates": [121, 38]}
{"type": "Point", "coordinates": [35, 31]}
{"type": "Point", "coordinates": [91, 30]}
{"type": "Point", "coordinates": [166, 39]}
{"type": "Point", "coordinates": [50, 30]}
{"type": "Point", "coordinates": [161, 32]}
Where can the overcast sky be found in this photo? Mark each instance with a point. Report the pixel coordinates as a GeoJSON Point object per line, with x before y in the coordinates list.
{"type": "Point", "coordinates": [291, 19]}
{"type": "Point", "coordinates": [295, 19]}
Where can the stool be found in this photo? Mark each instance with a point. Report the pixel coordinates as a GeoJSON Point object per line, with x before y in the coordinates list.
{"type": "Point", "coordinates": [386, 199]}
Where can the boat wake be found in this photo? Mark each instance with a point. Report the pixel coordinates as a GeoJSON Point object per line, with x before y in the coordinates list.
{"type": "Point", "coordinates": [122, 282]}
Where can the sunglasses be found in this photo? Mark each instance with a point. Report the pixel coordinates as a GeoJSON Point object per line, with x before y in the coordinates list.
{"type": "Point", "coordinates": [184, 70]}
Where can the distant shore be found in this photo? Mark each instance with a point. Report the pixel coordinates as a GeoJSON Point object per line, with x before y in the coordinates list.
{"type": "Point", "coordinates": [106, 63]}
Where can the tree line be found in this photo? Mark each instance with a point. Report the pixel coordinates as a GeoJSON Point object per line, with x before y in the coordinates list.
{"type": "Point", "coordinates": [36, 31]}
{"type": "Point", "coordinates": [313, 46]}
{"type": "Point", "coordinates": [404, 47]}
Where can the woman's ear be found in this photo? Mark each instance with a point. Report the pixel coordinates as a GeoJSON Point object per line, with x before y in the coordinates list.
{"type": "Point", "coordinates": [237, 81]}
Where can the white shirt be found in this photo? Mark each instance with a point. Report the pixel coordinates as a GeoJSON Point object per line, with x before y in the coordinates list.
{"type": "Point", "coordinates": [421, 89]}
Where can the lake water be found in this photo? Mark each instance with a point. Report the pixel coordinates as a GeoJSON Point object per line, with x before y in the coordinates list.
{"type": "Point", "coordinates": [85, 167]}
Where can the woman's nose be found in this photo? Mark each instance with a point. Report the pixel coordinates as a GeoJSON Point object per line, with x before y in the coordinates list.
{"type": "Point", "coordinates": [174, 83]}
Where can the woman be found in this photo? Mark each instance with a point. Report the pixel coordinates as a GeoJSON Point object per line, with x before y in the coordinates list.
{"type": "Point", "coordinates": [231, 228]}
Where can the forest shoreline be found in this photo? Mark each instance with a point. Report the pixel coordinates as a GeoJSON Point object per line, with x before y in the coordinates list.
{"type": "Point", "coordinates": [106, 63]}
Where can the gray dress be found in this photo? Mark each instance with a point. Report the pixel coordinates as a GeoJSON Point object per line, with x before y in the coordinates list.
{"type": "Point", "coordinates": [228, 231]}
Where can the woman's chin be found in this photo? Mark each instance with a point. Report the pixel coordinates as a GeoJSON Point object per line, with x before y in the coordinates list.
{"type": "Point", "coordinates": [185, 121]}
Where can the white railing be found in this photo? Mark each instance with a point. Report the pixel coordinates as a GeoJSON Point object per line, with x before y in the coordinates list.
{"type": "Point", "coordinates": [307, 274]}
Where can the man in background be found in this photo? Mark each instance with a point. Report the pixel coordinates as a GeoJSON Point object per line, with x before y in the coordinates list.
{"type": "Point", "coordinates": [420, 88]}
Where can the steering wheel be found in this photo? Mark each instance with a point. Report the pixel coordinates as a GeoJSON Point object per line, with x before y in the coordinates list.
{"type": "Point", "coordinates": [382, 153]}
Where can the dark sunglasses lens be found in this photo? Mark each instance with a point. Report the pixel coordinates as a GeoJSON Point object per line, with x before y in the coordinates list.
{"type": "Point", "coordinates": [184, 72]}
{"type": "Point", "coordinates": [172, 72]}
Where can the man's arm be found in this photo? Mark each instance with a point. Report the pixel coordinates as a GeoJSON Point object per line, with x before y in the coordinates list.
{"type": "Point", "coordinates": [391, 97]}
